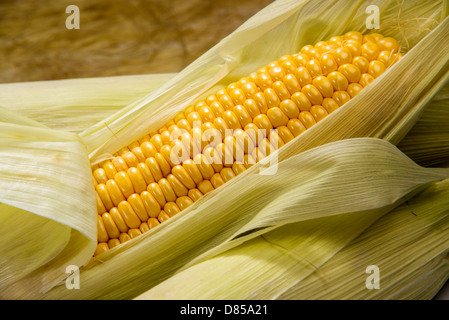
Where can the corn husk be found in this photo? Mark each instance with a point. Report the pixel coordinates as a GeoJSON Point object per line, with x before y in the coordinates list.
{"type": "Point", "coordinates": [76, 104]}
{"type": "Point", "coordinates": [387, 109]}
{"type": "Point", "coordinates": [44, 180]}
{"type": "Point", "coordinates": [427, 143]}
{"type": "Point", "coordinates": [409, 246]}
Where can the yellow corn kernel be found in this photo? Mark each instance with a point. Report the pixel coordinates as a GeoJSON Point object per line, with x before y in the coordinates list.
{"type": "Point", "coordinates": [276, 73]}
{"type": "Point", "coordinates": [155, 190]}
{"type": "Point", "coordinates": [134, 232]}
{"type": "Point", "coordinates": [388, 44]}
{"type": "Point", "coordinates": [242, 115]}
{"type": "Point", "coordinates": [179, 189]}
{"type": "Point", "coordinates": [124, 237]}
{"type": "Point", "coordinates": [113, 243]}
{"type": "Point", "coordinates": [118, 220]}
{"type": "Point", "coordinates": [100, 206]}
{"type": "Point", "coordinates": [152, 206]}
{"type": "Point", "coordinates": [109, 169]}
{"type": "Point", "coordinates": [328, 63]}
{"type": "Point", "coordinates": [373, 37]}
{"type": "Point", "coordinates": [171, 208]}
{"type": "Point", "coordinates": [330, 105]}
{"type": "Point", "coordinates": [370, 50]}
{"type": "Point", "coordinates": [100, 175]}
{"type": "Point", "coordinates": [313, 94]}
{"type": "Point", "coordinates": [155, 170]}
{"type": "Point", "coordinates": [152, 223]}
{"type": "Point", "coordinates": [324, 86]}
{"type": "Point", "coordinates": [227, 174]}
{"type": "Point", "coordinates": [280, 89]}
{"type": "Point", "coordinates": [163, 164]}
{"type": "Point", "coordinates": [138, 206]}
{"type": "Point", "coordinates": [376, 68]}
{"type": "Point", "coordinates": [183, 202]}
{"type": "Point", "coordinates": [130, 159]}
{"type": "Point", "coordinates": [353, 35]}
{"type": "Point", "coordinates": [366, 79]}
{"type": "Point", "coordinates": [300, 59]}
{"type": "Point", "coordinates": [163, 216]}
{"type": "Point", "coordinates": [250, 89]}
{"type": "Point", "coordinates": [157, 141]}
{"type": "Point", "coordinates": [301, 101]}
{"type": "Point", "coordinates": [307, 119]}
{"type": "Point", "coordinates": [336, 40]}
{"type": "Point", "coordinates": [277, 117]}
{"type": "Point", "coordinates": [128, 214]}
{"type": "Point", "coordinates": [263, 80]}
{"type": "Point", "coordinates": [303, 76]}
{"type": "Point", "coordinates": [137, 180]}
{"type": "Point", "coordinates": [288, 66]}
{"type": "Point", "coordinates": [104, 196]}
{"type": "Point", "coordinates": [137, 151]}
{"type": "Point", "coordinates": [114, 192]}
{"type": "Point", "coordinates": [237, 95]}
{"type": "Point", "coordinates": [102, 234]}
{"type": "Point", "coordinates": [338, 80]}
{"type": "Point", "coordinates": [285, 133]}
{"type": "Point", "coordinates": [124, 183]}
{"type": "Point", "coordinates": [341, 97]}
{"type": "Point", "coordinates": [314, 68]}
{"type": "Point", "coordinates": [263, 123]}
{"type": "Point", "coordinates": [101, 247]}
{"type": "Point", "coordinates": [195, 194]}
{"type": "Point", "coordinates": [350, 71]}
{"type": "Point", "coordinates": [362, 63]}
{"type": "Point", "coordinates": [167, 190]}
{"type": "Point", "coordinates": [353, 46]}
{"type": "Point", "coordinates": [216, 180]}
{"type": "Point", "coordinates": [318, 112]}
{"type": "Point", "coordinates": [296, 127]}
{"type": "Point", "coordinates": [119, 163]}
{"type": "Point", "coordinates": [354, 89]}
{"type": "Point", "coordinates": [110, 226]}
{"type": "Point", "coordinates": [342, 56]}
{"type": "Point", "coordinates": [290, 109]}
{"type": "Point", "coordinates": [148, 149]}
{"type": "Point", "coordinates": [144, 227]}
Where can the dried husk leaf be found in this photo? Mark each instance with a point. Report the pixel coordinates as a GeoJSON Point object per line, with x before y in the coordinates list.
{"type": "Point", "coordinates": [76, 104]}
{"type": "Point", "coordinates": [409, 245]}
{"type": "Point", "coordinates": [47, 207]}
{"type": "Point", "coordinates": [428, 141]}
{"type": "Point", "coordinates": [413, 266]}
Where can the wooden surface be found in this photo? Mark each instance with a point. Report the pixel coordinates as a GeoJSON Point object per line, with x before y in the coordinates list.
{"type": "Point", "coordinates": [115, 37]}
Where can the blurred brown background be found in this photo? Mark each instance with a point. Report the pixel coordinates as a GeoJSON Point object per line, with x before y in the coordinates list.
{"type": "Point", "coordinates": [115, 37]}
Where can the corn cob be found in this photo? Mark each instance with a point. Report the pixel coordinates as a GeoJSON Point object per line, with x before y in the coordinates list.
{"type": "Point", "coordinates": [159, 175]}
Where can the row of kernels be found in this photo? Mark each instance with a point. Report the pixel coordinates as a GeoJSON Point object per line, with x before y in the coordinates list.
{"type": "Point", "coordinates": [106, 244]}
